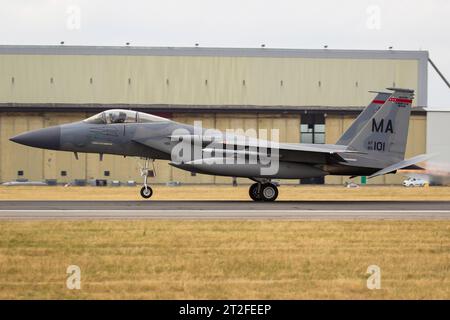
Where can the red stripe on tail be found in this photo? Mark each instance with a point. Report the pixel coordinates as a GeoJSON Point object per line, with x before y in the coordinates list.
{"type": "Point", "coordinates": [400, 100]}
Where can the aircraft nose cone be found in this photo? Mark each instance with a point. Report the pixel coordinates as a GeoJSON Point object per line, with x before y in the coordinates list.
{"type": "Point", "coordinates": [47, 138]}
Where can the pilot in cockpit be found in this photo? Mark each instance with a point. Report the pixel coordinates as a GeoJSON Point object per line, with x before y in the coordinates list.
{"type": "Point", "coordinates": [123, 116]}
{"type": "Point", "coordinates": [116, 117]}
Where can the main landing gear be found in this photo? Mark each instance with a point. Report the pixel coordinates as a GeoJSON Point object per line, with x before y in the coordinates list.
{"type": "Point", "coordinates": [146, 190]}
{"type": "Point", "coordinates": [263, 191]}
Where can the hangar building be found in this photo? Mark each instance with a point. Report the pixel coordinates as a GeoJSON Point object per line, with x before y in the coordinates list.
{"type": "Point", "coordinates": [309, 95]}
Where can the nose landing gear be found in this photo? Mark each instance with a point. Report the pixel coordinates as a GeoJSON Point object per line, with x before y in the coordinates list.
{"type": "Point", "coordinates": [263, 191]}
{"type": "Point", "coordinates": [146, 190]}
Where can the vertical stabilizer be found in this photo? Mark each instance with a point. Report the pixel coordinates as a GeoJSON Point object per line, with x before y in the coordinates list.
{"type": "Point", "coordinates": [363, 117]}
{"type": "Point", "coordinates": [385, 134]}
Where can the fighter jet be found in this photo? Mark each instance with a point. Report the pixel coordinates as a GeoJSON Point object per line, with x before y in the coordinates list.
{"type": "Point", "coordinates": [373, 145]}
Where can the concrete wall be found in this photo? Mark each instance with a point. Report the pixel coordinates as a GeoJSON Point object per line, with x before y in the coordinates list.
{"type": "Point", "coordinates": [44, 164]}
{"type": "Point", "coordinates": [438, 134]}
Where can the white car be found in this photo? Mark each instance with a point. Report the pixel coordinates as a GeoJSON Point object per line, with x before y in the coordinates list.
{"type": "Point", "coordinates": [414, 182]}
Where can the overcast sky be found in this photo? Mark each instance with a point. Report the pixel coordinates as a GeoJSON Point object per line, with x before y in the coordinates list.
{"type": "Point", "coordinates": [345, 24]}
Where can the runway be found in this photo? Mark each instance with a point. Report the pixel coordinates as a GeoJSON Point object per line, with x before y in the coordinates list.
{"type": "Point", "coordinates": [211, 210]}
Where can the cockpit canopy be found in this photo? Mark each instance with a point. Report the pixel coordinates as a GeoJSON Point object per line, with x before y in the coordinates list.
{"type": "Point", "coordinates": [123, 116]}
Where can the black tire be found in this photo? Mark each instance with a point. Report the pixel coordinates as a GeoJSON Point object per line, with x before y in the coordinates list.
{"type": "Point", "coordinates": [269, 192]}
{"type": "Point", "coordinates": [253, 192]}
{"type": "Point", "coordinates": [146, 192]}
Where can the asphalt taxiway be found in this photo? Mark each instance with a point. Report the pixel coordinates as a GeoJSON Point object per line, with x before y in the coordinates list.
{"type": "Point", "coordinates": [210, 210]}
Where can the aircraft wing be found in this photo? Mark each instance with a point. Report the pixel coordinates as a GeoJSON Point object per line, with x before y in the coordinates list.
{"type": "Point", "coordinates": [293, 152]}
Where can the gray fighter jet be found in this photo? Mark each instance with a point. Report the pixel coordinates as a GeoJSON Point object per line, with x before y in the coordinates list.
{"type": "Point", "coordinates": [373, 145]}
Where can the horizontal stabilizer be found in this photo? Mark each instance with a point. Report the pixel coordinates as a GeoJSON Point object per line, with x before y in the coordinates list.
{"type": "Point", "coordinates": [402, 164]}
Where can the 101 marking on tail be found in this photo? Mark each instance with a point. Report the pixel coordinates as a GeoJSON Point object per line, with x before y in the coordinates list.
{"type": "Point", "coordinates": [376, 145]}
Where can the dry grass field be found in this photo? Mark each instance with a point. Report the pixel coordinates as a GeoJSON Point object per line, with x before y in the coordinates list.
{"type": "Point", "coordinates": [221, 192]}
{"type": "Point", "coordinates": [225, 259]}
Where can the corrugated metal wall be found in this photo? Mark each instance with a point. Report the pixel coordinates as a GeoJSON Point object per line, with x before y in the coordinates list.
{"type": "Point", "coordinates": [191, 80]}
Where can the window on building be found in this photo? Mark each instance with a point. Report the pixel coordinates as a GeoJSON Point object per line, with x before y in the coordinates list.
{"type": "Point", "coordinates": [63, 173]}
{"type": "Point", "coordinates": [106, 173]}
{"type": "Point", "coordinates": [312, 130]}
{"type": "Point", "coordinates": [20, 173]}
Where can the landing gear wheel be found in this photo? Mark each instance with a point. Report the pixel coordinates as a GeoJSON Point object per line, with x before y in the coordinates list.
{"type": "Point", "coordinates": [146, 192]}
{"type": "Point", "coordinates": [253, 192]}
{"type": "Point", "coordinates": [269, 192]}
